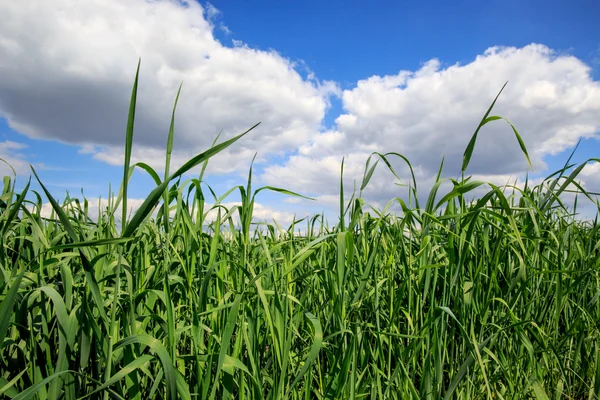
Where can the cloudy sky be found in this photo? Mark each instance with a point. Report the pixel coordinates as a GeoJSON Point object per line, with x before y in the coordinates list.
{"type": "Point", "coordinates": [327, 80]}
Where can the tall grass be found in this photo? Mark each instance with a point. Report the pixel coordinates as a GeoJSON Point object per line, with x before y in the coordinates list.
{"type": "Point", "coordinates": [492, 298]}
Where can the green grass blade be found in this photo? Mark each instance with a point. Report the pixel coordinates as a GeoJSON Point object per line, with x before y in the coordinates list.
{"type": "Point", "coordinates": [313, 353]}
{"type": "Point", "coordinates": [129, 146]}
{"type": "Point", "coordinates": [153, 198]}
{"type": "Point", "coordinates": [471, 146]}
{"type": "Point", "coordinates": [150, 172]}
{"type": "Point", "coordinates": [7, 306]}
{"type": "Point", "coordinates": [123, 372]}
{"type": "Point", "coordinates": [227, 334]}
{"type": "Point", "coordinates": [15, 207]}
{"type": "Point", "coordinates": [163, 355]}
{"type": "Point", "coordinates": [91, 243]}
{"type": "Point", "coordinates": [31, 391]}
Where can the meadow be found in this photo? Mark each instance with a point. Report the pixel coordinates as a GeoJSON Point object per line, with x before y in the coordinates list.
{"type": "Point", "coordinates": [494, 296]}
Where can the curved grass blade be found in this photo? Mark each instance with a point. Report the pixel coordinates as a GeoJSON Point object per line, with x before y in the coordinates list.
{"type": "Point", "coordinates": [9, 166]}
{"type": "Point", "coordinates": [150, 171]}
{"type": "Point", "coordinates": [471, 146]}
{"type": "Point", "coordinates": [280, 190]}
{"type": "Point", "coordinates": [458, 190]}
{"type": "Point", "coordinates": [123, 372]}
{"type": "Point", "coordinates": [165, 360]}
{"type": "Point", "coordinates": [312, 355]}
{"type": "Point", "coordinates": [154, 196]}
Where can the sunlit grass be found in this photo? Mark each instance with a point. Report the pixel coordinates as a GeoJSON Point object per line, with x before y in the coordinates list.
{"type": "Point", "coordinates": [492, 298]}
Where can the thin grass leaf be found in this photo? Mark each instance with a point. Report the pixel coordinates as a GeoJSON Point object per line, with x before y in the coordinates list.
{"type": "Point", "coordinates": [7, 306]}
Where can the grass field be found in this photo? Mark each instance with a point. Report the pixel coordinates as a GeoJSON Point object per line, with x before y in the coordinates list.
{"type": "Point", "coordinates": [492, 298]}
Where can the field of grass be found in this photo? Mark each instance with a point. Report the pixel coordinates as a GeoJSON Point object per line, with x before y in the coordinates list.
{"type": "Point", "coordinates": [492, 298]}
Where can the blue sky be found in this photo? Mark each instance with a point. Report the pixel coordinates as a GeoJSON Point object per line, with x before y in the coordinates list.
{"type": "Point", "coordinates": [328, 79]}
{"type": "Point", "coordinates": [349, 40]}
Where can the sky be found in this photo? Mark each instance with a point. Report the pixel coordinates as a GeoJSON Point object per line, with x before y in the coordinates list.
{"type": "Point", "coordinates": [327, 80]}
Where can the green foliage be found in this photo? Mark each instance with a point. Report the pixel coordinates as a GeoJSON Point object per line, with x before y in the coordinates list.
{"type": "Point", "coordinates": [492, 298]}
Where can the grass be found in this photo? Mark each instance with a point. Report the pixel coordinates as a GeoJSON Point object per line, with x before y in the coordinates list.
{"type": "Point", "coordinates": [492, 298]}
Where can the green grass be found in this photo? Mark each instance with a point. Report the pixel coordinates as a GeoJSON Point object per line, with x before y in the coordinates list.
{"type": "Point", "coordinates": [492, 298]}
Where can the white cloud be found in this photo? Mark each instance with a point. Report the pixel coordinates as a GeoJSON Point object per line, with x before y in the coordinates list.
{"type": "Point", "coordinates": [426, 114]}
{"type": "Point", "coordinates": [68, 67]}
{"type": "Point", "coordinates": [12, 153]}
{"type": "Point", "coordinates": [589, 177]}
{"type": "Point", "coordinates": [211, 11]}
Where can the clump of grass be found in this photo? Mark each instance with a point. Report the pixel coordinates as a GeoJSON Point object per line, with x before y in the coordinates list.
{"type": "Point", "coordinates": [492, 298]}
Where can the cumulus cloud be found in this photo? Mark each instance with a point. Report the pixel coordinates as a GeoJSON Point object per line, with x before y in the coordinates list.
{"type": "Point", "coordinates": [68, 67]}
{"type": "Point", "coordinates": [430, 113]}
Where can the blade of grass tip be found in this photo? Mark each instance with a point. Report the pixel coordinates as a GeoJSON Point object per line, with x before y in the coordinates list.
{"type": "Point", "coordinates": [129, 145]}
{"type": "Point", "coordinates": [383, 157]}
{"type": "Point", "coordinates": [168, 158]}
{"type": "Point", "coordinates": [152, 199]}
{"type": "Point", "coordinates": [521, 142]}
{"type": "Point", "coordinates": [368, 173]}
{"type": "Point", "coordinates": [469, 150]}
{"type": "Point", "coordinates": [246, 209]}
{"type": "Point", "coordinates": [439, 174]}
{"type": "Point", "coordinates": [9, 166]}
{"type": "Point", "coordinates": [282, 191]}
{"type": "Point", "coordinates": [249, 184]}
